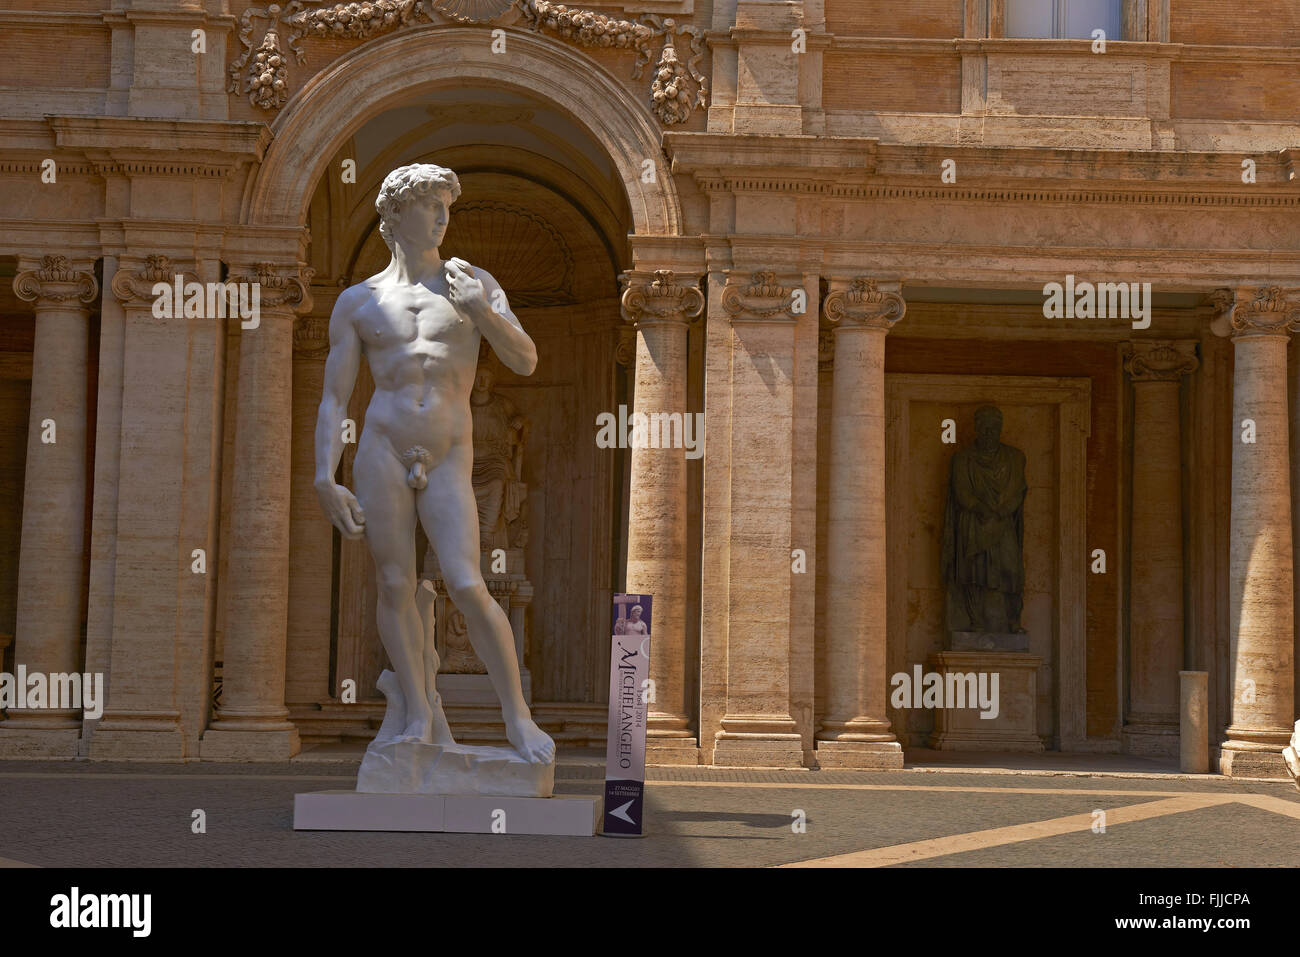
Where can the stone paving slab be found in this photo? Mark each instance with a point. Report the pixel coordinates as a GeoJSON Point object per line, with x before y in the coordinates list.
{"type": "Point", "coordinates": [1249, 837]}
{"type": "Point", "coordinates": [82, 815]}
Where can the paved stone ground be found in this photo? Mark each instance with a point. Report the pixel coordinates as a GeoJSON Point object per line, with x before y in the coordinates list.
{"type": "Point", "coordinates": [83, 815]}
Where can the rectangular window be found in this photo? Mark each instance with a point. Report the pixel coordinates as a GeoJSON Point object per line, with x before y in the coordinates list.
{"type": "Point", "coordinates": [1062, 19]}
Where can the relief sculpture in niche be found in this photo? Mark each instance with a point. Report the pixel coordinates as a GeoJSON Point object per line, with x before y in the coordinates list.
{"type": "Point", "coordinates": [500, 434]}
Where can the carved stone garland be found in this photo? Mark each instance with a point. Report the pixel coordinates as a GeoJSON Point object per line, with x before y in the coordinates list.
{"type": "Point", "coordinates": [676, 90]}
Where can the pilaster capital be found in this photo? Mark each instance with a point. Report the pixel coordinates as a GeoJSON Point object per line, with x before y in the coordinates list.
{"type": "Point", "coordinates": [56, 280]}
{"type": "Point", "coordinates": [825, 348]}
{"type": "Point", "coordinates": [284, 286]}
{"type": "Point", "coordinates": [311, 337]}
{"type": "Point", "coordinates": [763, 298]}
{"type": "Point", "coordinates": [662, 299]}
{"type": "Point", "coordinates": [864, 302]}
{"type": "Point", "coordinates": [1149, 360]}
{"type": "Point", "coordinates": [1255, 311]}
{"type": "Point", "coordinates": [134, 282]}
{"type": "Point", "coordinates": [625, 351]}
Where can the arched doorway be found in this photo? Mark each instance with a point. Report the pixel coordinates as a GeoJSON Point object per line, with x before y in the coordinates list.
{"type": "Point", "coordinates": [545, 207]}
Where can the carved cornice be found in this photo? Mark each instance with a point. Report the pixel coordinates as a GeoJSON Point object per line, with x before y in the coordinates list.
{"type": "Point", "coordinates": [1149, 361]}
{"type": "Point", "coordinates": [817, 183]}
{"type": "Point", "coordinates": [862, 302]}
{"type": "Point", "coordinates": [268, 34]}
{"type": "Point", "coordinates": [763, 299]}
{"type": "Point", "coordinates": [662, 300]}
{"type": "Point", "coordinates": [279, 285]}
{"type": "Point", "coordinates": [136, 285]}
{"type": "Point", "coordinates": [1254, 311]}
{"type": "Point", "coordinates": [311, 337]}
{"type": "Point", "coordinates": [56, 280]}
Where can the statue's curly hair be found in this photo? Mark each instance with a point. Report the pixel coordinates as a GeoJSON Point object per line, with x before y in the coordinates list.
{"type": "Point", "coordinates": [406, 183]}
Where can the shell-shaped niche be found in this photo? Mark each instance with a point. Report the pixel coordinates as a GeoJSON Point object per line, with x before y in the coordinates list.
{"type": "Point", "coordinates": [473, 11]}
{"type": "Point", "coordinates": [525, 253]}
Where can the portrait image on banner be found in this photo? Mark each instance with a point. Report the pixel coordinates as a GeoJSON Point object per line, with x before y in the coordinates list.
{"type": "Point", "coordinates": [629, 672]}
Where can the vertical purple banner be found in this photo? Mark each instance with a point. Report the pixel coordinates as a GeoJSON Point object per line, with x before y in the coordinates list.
{"type": "Point", "coordinates": [629, 674]}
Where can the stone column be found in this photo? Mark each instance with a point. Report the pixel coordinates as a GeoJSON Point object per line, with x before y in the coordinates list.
{"type": "Point", "coordinates": [855, 730]}
{"type": "Point", "coordinates": [311, 542]}
{"type": "Point", "coordinates": [1260, 559]}
{"type": "Point", "coordinates": [747, 626]}
{"type": "Point", "coordinates": [48, 632]}
{"type": "Point", "coordinates": [150, 603]}
{"type": "Point", "coordinates": [1156, 607]}
{"type": "Point", "coordinates": [252, 723]}
{"type": "Point", "coordinates": [660, 310]}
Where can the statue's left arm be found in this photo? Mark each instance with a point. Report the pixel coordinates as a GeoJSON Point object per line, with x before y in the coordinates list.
{"type": "Point", "coordinates": [474, 292]}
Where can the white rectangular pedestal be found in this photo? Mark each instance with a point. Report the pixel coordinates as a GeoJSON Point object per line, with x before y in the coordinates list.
{"type": "Point", "coordinates": [465, 814]}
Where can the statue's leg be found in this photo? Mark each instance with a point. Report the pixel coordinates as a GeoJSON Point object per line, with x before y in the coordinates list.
{"type": "Point", "coordinates": [1015, 603]}
{"type": "Point", "coordinates": [379, 478]}
{"type": "Point", "coordinates": [449, 513]}
{"type": "Point", "coordinates": [426, 604]}
{"type": "Point", "coordinates": [995, 611]}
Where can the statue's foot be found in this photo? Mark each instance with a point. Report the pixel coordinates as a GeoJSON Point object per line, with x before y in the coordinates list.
{"type": "Point", "coordinates": [420, 730]}
{"type": "Point", "coordinates": [441, 729]}
{"type": "Point", "coordinates": [533, 744]}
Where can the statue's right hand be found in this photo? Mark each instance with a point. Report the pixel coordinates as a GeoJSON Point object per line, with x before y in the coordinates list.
{"type": "Point", "coordinates": [342, 509]}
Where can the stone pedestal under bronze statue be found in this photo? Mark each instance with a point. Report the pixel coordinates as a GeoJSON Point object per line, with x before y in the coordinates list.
{"type": "Point", "coordinates": [1014, 725]}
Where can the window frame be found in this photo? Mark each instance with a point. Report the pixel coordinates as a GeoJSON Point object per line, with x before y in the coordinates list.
{"type": "Point", "coordinates": [1140, 20]}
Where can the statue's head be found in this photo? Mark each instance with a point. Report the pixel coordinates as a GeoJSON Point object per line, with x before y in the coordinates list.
{"type": "Point", "coordinates": [636, 613]}
{"type": "Point", "coordinates": [413, 202]}
{"type": "Point", "coordinates": [988, 428]}
{"type": "Point", "coordinates": [485, 377]}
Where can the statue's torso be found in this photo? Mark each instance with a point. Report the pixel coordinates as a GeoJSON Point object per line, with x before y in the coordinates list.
{"type": "Point", "coordinates": [492, 434]}
{"type": "Point", "coordinates": [422, 355]}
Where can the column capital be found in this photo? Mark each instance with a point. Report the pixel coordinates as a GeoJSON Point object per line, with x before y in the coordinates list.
{"type": "Point", "coordinates": [1255, 311]}
{"type": "Point", "coordinates": [280, 285]}
{"type": "Point", "coordinates": [760, 296]}
{"type": "Point", "coordinates": [134, 282]}
{"type": "Point", "coordinates": [56, 280]}
{"type": "Point", "coordinates": [1159, 360]}
{"type": "Point", "coordinates": [864, 302]}
{"type": "Point", "coordinates": [661, 299]}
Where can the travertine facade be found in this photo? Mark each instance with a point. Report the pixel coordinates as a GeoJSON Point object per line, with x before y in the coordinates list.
{"type": "Point", "coordinates": [826, 225]}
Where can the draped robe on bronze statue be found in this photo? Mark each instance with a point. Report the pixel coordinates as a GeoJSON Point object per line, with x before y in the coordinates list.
{"type": "Point", "coordinates": [983, 539]}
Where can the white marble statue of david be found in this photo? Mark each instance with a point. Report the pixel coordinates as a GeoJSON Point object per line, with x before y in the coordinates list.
{"type": "Point", "coordinates": [419, 324]}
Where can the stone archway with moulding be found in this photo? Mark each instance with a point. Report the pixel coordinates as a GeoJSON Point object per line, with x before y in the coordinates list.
{"type": "Point", "coordinates": [395, 69]}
